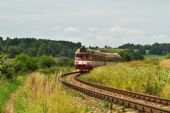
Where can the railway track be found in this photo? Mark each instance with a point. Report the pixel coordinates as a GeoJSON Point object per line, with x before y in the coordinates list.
{"type": "Point", "coordinates": [141, 102]}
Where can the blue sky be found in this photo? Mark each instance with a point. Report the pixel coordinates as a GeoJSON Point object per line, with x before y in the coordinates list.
{"type": "Point", "coordinates": [92, 22]}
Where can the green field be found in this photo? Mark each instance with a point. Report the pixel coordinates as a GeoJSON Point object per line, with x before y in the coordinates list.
{"type": "Point", "coordinates": [144, 77]}
{"type": "Point", "coordinates": [150, 56]}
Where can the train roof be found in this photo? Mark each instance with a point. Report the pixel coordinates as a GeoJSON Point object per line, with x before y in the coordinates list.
{"type": "Point", "coordinates": [84, 51]}
{"type": "Point", "coordinates": [115, 55]}
{"type": "Point", "coordinates": [89, 51]}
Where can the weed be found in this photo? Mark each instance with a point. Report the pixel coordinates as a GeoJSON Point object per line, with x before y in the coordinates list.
{"type": "Point", "coordinates": [144, 77]}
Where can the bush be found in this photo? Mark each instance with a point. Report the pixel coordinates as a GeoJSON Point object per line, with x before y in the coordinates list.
{"type": "Point", "coordinates": [65, 62]}
{"type": "Point", "coordinates": [24, 63]}
{"type": "Point", "coordinates": [45, 62]}
{"type": "Point", "coordinates": [168, 56]}
{"type": "Point", "coordinates": [8, 72]}
{"type": "Point", "coordinates": [131, 55]}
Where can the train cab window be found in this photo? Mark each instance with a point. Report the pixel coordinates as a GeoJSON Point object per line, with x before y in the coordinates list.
{"type": "Point", "coordinates": [83, 56]}
{"type": "Point", "coordinates": [78, 55]}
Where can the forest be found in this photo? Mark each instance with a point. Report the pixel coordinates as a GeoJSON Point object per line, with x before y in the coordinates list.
{"type": "Point", "coordinates": [156, 48]}
{"type": "Point", "coordinates": [37, 47]}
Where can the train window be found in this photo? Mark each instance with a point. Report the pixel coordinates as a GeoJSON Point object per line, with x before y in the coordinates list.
{"type": "Point", "coordinates": [83, 56]}
{"type": "Point", "coordinates": [79, 55]}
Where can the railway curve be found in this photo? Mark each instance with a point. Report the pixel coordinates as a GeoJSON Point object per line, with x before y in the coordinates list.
{"type": "Point", "coordinates": [141, 102]}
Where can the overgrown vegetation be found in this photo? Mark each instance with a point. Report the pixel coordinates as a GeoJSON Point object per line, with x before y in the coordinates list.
{"type": "Point", "coordinates": [44, 94]}
{"type": "Point", "coordinates": [156, 48]}
{"type": "Point", "coordinates": [25, 64]}
{"type": "Point", "coordinates": [130, 55]}
{"type": "Point", "coordinates": [144, 77]}
{"type": "Point", "coordinates": [6, 88]}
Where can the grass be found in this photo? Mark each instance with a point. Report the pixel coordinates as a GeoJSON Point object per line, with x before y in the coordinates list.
{"type": "Point", "coordinates": [6, 88]}
{"type": "Point", "coordinates": [144, 77]}
{"type": "Point", "coordinates": [44, 94]}
{"type": "Point", "coordinates": [150, 56]}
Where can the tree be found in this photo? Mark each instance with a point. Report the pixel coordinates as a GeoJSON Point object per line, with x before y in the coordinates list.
{"type": "Point", "coordinates": [141, 51]}
{"type": "Point", "coordinates": [1, 40]}
{"type": "Point", "coordinates": [157, 51]}
{"type": "Point", "coordinates": [13, 51]}
{"type": "Point", "coordinates": [45, 62]}
{"type": "Point", "coordinates": [34, 47]}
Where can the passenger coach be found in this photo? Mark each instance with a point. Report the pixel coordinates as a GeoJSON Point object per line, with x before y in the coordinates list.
{"type": "Point", "coordinates": [87, 59]}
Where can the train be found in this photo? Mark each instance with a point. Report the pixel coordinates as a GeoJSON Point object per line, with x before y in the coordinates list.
{"type": "Point", "coordinates": [87, 59]}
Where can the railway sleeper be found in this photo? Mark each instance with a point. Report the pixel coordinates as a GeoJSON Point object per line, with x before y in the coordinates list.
{"type": "Point", "coordinates": [139, 96]}
{"type": "Point", "coordinates": [141, 107]}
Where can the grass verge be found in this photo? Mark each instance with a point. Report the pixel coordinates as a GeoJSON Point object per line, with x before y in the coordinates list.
{"type": "Point", "coordinates": [6, 88]}
{"type": "Point", "coordinates": [144, 77]}
{"type": "Point", "coordinates": [44, 94]}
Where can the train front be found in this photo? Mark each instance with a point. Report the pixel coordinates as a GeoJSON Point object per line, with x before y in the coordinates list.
{"type": "Point", "coordinates": [83, 59]}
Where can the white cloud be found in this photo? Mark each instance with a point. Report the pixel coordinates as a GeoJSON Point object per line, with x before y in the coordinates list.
{"type": "Point", "coordinates": [125, 30]}
{"type": "Point", "coordinates": [116, 28]}
{"type": "Point", "coordinates": [93, 29]}
{"type": "Point", "coordinates": [71, 30]}
{"type": "Point", "coordinates": [161, 36]}
{"type": "Point", "coordinates": [135, 31]}
{"type": "Point", "coordinates": [56, 28]}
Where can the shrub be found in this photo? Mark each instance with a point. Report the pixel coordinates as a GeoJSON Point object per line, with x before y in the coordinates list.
{"type": "Point", "coordinates": [131, 55]}
{"type": "Point", "coordinates": [45, 62]}
{"type": "Point", "coordinates": [168, 56]}
{"type": "Point", "coordinates": [8, 72]}
{"type": "Point", "coordinates": [65, 62]}
{"type": "Point", "coordinates": [24, 63]}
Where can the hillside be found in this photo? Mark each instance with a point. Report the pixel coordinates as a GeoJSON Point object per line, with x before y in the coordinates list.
{"type": "Point", "coordinates": [38, 47]}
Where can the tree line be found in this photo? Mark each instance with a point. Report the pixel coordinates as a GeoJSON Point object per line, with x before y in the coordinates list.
{"type": "Point", "coordinates": [156, 48]}
{"type": "Point", "coordinates": [37, 47]}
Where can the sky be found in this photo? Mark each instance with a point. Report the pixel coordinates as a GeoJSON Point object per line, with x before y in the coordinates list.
{"type": "Point", "coordinates": [91, 22]}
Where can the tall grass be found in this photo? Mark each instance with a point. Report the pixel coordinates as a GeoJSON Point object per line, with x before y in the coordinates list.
{"type": "Point", "coordinates": [6, 88]}
{"type": "Point", "coordinates": [44, 94]}
{"type": "Point", "coordinates": [144, 77]}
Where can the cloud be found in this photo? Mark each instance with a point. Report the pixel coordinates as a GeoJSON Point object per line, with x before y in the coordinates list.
{"type": "Point", "coordinates": [93, 29]}
{"type": "Point", "coordinates": [161, 36]}
{"type": "Point", "coordinates": [56, 28]}
{"type": "Point", "coordinates": [71, 30]}
{"type": "Point", "coordinates": [125, 30]}
{"type": "Point", "coordinates": [116, 28]}
{"type": "Point", "coordinates": [135, 31]}
{"type": "Point", "coordinates": [88, 21]}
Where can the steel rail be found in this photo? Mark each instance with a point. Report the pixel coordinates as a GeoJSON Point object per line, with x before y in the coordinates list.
{"type": "Point", "coordinates": [143, 108]}
{"type": "Point", "coordinates": [136, 95]}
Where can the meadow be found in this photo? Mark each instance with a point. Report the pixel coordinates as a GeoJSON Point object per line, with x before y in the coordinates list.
{"type": "Point", "coordinates": [44, 94]}
{"type": "Point", "coordinates": [139, 76]}
{"type": "Point", "coordinates": [151, 56]}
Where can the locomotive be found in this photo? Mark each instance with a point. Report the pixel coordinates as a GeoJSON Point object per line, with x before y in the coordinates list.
{"type": "Point", "coordinates": [87, 59]}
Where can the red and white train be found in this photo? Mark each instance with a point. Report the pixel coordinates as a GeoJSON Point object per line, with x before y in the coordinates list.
{"type": "Point", "coordinates": [87, 59]}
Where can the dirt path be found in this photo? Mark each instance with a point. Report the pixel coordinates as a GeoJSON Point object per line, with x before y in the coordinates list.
{"type": "Point", "coordinates": [9, 106]}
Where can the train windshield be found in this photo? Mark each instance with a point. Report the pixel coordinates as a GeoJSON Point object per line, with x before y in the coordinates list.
{"type": "Point", "coordinates": [83, 56]}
